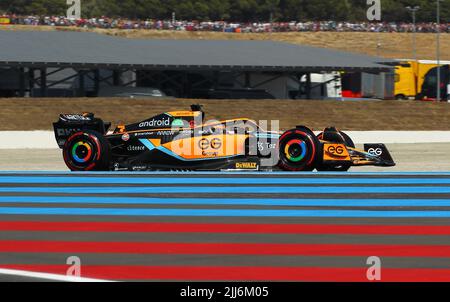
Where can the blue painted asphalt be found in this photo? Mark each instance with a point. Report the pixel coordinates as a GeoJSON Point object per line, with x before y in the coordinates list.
{"type": "Point", "coordinates": [222, 213]}
{"type": "Point", "coordinates": [229, 190]}
{"type": "Point", "coordinates": [209, 180]}
{"type": "Point", "coordinates": [227, 201]}
{"type": "Point", "coordinates": [394, 207]}
{"type": "Point", "coordinates": [31, 173]}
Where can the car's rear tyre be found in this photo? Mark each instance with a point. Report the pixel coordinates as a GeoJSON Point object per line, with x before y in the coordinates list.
{"type": "Point", "coordinates": [87, 151]}
{"type": "Point", "coordinates": [341, 168]}
{"type": "Point", "coordinates": [298, 150]}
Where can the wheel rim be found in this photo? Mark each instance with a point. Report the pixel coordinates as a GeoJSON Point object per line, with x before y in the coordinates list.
{"type": "Point", "coordinates": [82, 152]}
{"type": "Point", "coordinates": [295, 150]}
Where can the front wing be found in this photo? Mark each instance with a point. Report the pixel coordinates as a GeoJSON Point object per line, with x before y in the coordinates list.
{"type": "Point", "coordinates": [372, 155]}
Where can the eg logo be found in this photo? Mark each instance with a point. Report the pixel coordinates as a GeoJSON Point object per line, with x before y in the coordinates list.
{"type": "Point", "coordinates": [339, 150]}
{"type": "Point", "coordinates": [214, 144]}
{"type": "Point", "coordinates": [375, 151]}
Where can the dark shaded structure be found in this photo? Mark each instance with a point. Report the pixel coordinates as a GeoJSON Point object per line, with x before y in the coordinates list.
{"type": "Point", "coordinates": [28, 59]}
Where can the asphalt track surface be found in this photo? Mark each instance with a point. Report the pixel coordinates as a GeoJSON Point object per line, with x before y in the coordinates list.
{"type": "Point", "coordinates": [226, 226]}
{"type": "Point", "coordinates": [409, 157]}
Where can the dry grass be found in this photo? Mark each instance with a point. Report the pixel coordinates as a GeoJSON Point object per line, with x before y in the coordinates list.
{"type": "Point", "coordinates": [39, 114]}
{"type": "Point", "coordinates": [393, 45]}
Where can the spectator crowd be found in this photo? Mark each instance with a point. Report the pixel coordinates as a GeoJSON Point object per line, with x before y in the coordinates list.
{"type": "Point", "coordinates": [223, 26]}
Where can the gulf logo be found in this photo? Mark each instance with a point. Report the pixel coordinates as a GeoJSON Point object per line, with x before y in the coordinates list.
{"type": "Point", "coordinates": [126, 137]}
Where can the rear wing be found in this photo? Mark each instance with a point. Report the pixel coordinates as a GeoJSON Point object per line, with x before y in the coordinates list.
{"type": "Point", "coordinates": [69, 124]}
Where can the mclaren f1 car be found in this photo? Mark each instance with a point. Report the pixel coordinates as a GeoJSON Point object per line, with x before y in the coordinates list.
{"type": "Point", "coordinates": [183, 141]}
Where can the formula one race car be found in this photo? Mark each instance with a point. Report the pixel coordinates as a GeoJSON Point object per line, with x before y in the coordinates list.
{"type": "Point", "coordinates": [183, 141]}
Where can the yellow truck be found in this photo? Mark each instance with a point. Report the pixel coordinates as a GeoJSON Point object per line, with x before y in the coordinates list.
{"type": "Point", "coordinates": [410, 75]}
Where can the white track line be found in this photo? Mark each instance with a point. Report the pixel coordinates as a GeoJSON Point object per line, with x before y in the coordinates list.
{"type": "Point", "coordinates": [50, 277]}
{"type": "Point", "coordinates": [46, 139]}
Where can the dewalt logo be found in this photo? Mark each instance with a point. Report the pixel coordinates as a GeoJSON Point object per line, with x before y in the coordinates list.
{"type": "Point", "coordinates": [247, 166]}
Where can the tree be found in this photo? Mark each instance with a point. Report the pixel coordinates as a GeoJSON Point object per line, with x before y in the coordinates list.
{"type": "Point", "coordinates": [219, 9]}
{"type": "Point", "coordinates": [244, 10]}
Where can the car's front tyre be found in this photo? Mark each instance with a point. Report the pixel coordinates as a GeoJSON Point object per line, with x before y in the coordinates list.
{"type": "Point", "coordinates": [298, 150]}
